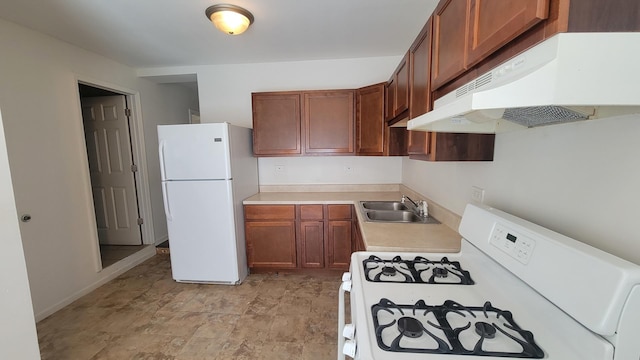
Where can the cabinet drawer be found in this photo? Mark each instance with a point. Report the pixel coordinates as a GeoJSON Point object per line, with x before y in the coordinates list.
{"type": "Point", "coordinates": [337, 212]}
{"type": "Point", "coordinates": [269, 212]}
{"type": "Point", "coordinates": [311, 212]}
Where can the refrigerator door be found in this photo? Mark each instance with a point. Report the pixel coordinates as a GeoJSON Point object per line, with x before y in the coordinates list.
{"type": "Point", "coordinates": [194, 152]}
{"type": "Point", "coordinates": [201, 231]}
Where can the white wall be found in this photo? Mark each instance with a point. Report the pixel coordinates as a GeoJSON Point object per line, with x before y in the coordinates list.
{"type": "Point", "coordinates": [225, 90]}
{"type": "Point", "coordinates": [162, 112]}
{"type": "Point", "coordinates": [18, 339]}
{"type": "Point", "coordinates": [579, 179]}
{"type": "Point", "coordinates": [45, 142]}
{"type": "Point", "coordinates": [330, 170]}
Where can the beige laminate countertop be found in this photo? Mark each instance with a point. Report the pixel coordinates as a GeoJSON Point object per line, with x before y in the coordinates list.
{"type": "Point", "coordinates": [377, 236]}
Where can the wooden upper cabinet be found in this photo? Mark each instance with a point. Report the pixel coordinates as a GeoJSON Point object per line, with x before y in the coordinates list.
{"type": "Point", "coordinates": [493, 23]}
{"type": "Point", "coordinates": [461, 147]}
{"type": "Point", "coordinates": [370, 120]}
{"type": "Point", "coordinates": [397, 94]}
{"type": "Point", "coordinates": [418, 145]}
{"type": "Point", "coordinates": [402, 86]}
{"type": "Point", "coordinates": [329, 122]}
{"type": "Point", "coordinates": [420, 73]}
{"type": "Point", "coordinates": [450, 40]}
{"type": "Point", "coordinates": [389, 99]}
{"type": "Point", "coordinates": [276, 124]}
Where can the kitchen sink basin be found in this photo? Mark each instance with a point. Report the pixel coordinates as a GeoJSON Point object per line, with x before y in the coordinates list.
{"type": "Point", "coordinates": [393, 216]}
{"type": "Point", "coordinates": [392, 212]}
{"type": "Point", "coordinates": [384, 205]}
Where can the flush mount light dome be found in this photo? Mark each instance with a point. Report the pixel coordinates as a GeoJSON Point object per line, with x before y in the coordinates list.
{"type": "Point", "coordinates": [229, 19]}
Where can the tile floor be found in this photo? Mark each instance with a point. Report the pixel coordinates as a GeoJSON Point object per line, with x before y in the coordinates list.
{"type": "Point", "coordinates": [144, 314]}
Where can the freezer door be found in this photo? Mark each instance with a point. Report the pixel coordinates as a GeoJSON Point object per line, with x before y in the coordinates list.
{"type": "Point", "coordinates": [194, 151]}
{"type": "Point", "coordinates": [202, 238]}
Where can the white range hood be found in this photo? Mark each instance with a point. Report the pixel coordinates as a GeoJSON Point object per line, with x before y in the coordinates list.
{"type": "Point", "coordinates": [569, 77]}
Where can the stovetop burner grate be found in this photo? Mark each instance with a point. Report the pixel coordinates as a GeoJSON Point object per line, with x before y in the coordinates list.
{"type": "Point", "coordinates": [419, 270]}
{"type": "Point", "coordinates": [451, 328]}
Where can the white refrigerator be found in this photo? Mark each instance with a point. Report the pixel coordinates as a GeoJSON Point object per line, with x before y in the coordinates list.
{"type": "Point", "coordinates": [207, 170]}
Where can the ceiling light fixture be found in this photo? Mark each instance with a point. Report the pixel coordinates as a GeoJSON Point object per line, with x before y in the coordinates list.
{"type": "Point", "coordinates": [230, 19]}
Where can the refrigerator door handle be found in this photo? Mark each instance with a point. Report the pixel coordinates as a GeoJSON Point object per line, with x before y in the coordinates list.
{"type": "Point", "coordinates": [161, 152]}
{"type": "Point", "coordinates": [165, 200]}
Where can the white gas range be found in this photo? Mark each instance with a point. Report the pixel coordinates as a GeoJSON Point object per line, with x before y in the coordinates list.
{"type": "Point", "coordinates": [515, 290]}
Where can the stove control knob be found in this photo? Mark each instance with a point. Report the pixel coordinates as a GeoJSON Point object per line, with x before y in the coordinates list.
{"type": "Point", "coordinates": [349, 331]}
{"type": "Point", "coordinates": [346, 285]}
{"type": "Point", "coordinates": [346, 276]}
{"type": "Point", "coordinates": [349, 348]}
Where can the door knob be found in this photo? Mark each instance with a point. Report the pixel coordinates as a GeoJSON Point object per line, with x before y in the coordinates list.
{"type": "Point", "coordinates": [25, 218]}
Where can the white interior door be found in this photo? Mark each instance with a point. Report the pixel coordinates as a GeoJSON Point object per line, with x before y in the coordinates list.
{"type": "Point", "coordinates": [108, 142]}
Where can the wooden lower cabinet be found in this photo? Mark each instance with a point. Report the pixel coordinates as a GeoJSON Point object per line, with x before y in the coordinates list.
{"type": "Point", "coordinates": [339, 236]}
{"type": "Point", "coordinates": [311, 234]}
{"type": "Point", "coordinates": [299, 236]}
{"type": "Point", "coordinates": [270, 234]}
{"type": "Point", "coordinates": [357, 243]}
{"type": "Point", "coordinates": [311, 244]}
{"type": "Point", "coordinates": [271, 244]}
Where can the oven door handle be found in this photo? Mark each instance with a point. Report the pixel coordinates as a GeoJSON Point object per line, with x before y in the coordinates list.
{"type": "Point", "coordinates": [344, 287]}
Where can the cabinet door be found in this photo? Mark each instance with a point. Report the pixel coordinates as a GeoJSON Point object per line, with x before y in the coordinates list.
{"type": "Point", "coordinates": [496, 22]}
{"type": "Point", "coordinates": [271, 244]}
{"type": "Point", "coordinates": [329, 122]}
{"type": "Point", "coordinates": [338, 249]}
{"type": "Point", "coordinates": [370, 124]}
{"type": "Point", "coordinates": [357, 243]}
{"type": "Point", "coordinates": [450, 36]}
{"type": "Point", "coordinates": [390, 98]}
{"type": "Point", "coordinates": [418, 143]}
{"type": "Point", "coordinates": [420, 73]}
{"type": "Point", "coordinates": [402, 86]}
{"type": "Point", "coordinates": [311, 244]}
{"type": "Point", "coordinates": [276, 124]}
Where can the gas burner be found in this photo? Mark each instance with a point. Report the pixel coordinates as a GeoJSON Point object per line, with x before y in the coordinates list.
{"type": "Point", "coordinates": [410, 327]}
{"type": "Point", "coordinates": [451, 328]}
{"type": "Point", "coordinates": [394, 270]}
{"type": "Point", "coordinates": [388, 271]}
{"type": "Point", "coordinates": [485, 330]}
{"type": "Point", "coordinates": [440, 272]}
{"type": "Point", "coordinates": [418, 270]}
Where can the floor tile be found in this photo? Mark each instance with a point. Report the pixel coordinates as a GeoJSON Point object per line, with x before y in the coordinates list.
{"type": "Point", "coordinates": [144, 314]}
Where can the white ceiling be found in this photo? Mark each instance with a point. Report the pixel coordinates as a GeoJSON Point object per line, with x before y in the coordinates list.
{"type": "Point", "coordinates": [156, 33]}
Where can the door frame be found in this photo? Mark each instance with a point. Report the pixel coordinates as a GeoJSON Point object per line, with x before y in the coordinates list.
{"type": "Point", "coordinates": [136, 130]}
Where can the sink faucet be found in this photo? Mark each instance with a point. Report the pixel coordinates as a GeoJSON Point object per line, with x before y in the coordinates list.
{"type": "Point", "coordinates": [418, 206]}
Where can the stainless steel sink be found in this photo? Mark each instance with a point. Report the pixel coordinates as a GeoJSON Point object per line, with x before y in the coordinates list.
{"type": "Point", "coordinates": [384, 205]}
{"type": "Point", "coordinates": [392, 212]}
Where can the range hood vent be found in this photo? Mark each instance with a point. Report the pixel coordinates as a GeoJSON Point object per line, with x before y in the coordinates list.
{"type": "Point", "coordinates": [569, 77]}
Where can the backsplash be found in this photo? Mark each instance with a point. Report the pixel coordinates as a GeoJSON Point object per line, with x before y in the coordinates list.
{"type": "Point", "coordinates": [342, 170]}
